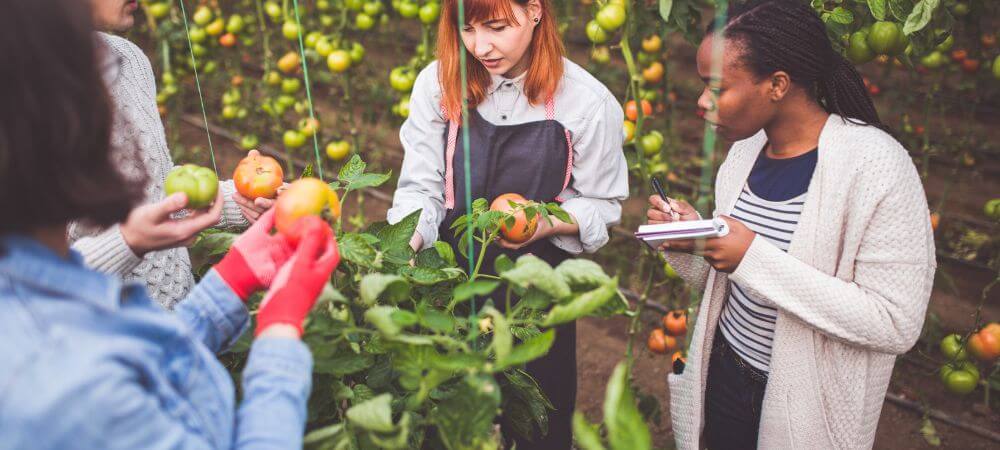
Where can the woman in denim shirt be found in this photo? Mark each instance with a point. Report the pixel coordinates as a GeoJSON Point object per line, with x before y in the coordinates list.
{"type": "Point", "coordinates": [90, 361]}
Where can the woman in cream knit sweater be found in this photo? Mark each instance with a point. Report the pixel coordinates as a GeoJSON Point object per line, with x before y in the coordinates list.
{"type": "Point", "coordinates": [827, 271]}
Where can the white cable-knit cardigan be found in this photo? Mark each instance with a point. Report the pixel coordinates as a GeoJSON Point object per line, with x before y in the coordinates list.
{"type": "Point", "coordinates": [137, 126]}
{"type": "Point", "coordinates": [851, 293]}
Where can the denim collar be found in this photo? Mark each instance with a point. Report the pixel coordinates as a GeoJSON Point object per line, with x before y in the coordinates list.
{"type": "Point", "coordinates": [29, 261]}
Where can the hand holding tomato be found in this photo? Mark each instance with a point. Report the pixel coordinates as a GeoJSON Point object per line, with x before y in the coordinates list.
{"type": "Point", "coordinates": [724, 253]}
{"type": "Point", "coordinates": [150, 227]}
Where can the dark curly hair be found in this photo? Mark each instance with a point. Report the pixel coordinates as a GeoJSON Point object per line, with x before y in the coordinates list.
{"type": "Point", "coordinates": [55, 121]}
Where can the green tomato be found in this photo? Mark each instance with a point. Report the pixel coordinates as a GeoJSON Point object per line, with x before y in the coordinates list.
{"type": "Point", "coordinates": [364, 22]}
{"type": "Point", "coordinates": [402, 108]}
{"type": "Point", "coordinates": [231, 96]}
{"type": "Point", "coordinates": [324, 47]}
{"type": "Point", "coordinates": [946, 44]}
{"type": "Point", "coordinates": [429, 13]}
{"type": "Point", "coordinates": [285, 101]}
{"type": "Point", "coordinates": [290, 30]}
{"type": "Point", "coordinates": [858, 51]}
{"type": "Point", "coordinates": [168, 78]}
{"type": "Point", "coordinates": [960, 380]}
{"type": "Point", "coordinates": [996, 68]}
{"type": "Point", "coordinates": [158, 10]}
{"type": "Point", "coordinates": [408, 10]}
{"type": "Point", "coordinates": [322, 5]}
{"type": "Point", "coordinates": [357, 53]}
{"type": "Point", "coordinates": [273, 78]}
{"type": "Point", "coordinates": [960, 9]}
{"type": "Point", "coordinates": [326, 20]}
{"type": "Point", "coordinates": [933, 60]}
{"type": "Point", "coordinates": [197, 35]}
{"type": "Point", "coordinates": [312, 38]}
{"type": "Point", "coordinates": [273, 10]}
{"type": "Point", "coordinates": [354, 5]}
{"type": "Point", "coordinates": [249, 142]}
{"type": "Point", "coordinates": [210, 67]}
{"type": "Point", "coordinates": [902, 42]}
{"type": "Point", "coordinates": [198, 50]}
{"type": "Point", "coordinates": [649, 95]}
{"type": "Point", "coordinates": [372, 8]}
{"type": "Point", "coordinates": [402, 79]}
{"type": "Point", "coordinates": [952, 348]}
{"type": "Point", "coordinates": [199, 184]}
{"type": "Point", "coordinates": [216, 27]}
{"type": "Point", "coordinates": [339, 61]}
{"type": "Point", "coordinates": [595, 33]}
{"type": "Point", "coordinates": [170, 89]}
{"type": "Point", "coordinates": [884, 37]}
{"type": "Point", "coordinates": [992, 207]}
{"type": "Point", "coordinates": [646, 59]}
{"type": "Point", "coordinates": [290, 85]}
{"type": "Point", "coordinates": [338, 150]}
{"type": "Point", "coordinates": [293, 139]}
{"type": "Point", "coordinates": [611, 17]}
{"type": "Point", "coordinates": [202, 16]}
{"type": "Point", "coordinates": [601, 54]}
{"type": "Point", "coordinates": [229, 112]}
{"type": "Point", "coordinates": [235, 24]}
{"type": "Point", "coordinates": [651, 143]}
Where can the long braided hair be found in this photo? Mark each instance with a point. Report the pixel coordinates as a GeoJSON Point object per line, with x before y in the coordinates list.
{"type": "Point", "coordinates": [787, 35]}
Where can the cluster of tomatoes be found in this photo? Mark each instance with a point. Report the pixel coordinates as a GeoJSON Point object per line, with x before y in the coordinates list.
{"type": "Point", "coordinates": [959, 374]}
{"type": "Point", "coordinates": [666, 338]}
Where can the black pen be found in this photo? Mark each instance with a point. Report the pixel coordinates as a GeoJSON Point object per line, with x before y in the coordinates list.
{"type": "Point", "coordinates": [659, 190]}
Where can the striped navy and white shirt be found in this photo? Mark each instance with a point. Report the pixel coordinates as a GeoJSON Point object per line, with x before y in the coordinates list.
{"type": "Point", "coordinates": [770, 205]}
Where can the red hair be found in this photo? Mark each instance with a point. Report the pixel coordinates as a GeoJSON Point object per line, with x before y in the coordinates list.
{"type": "Point", "coordinates": [545, 68]}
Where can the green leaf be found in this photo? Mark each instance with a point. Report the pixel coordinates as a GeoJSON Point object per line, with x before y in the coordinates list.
{"type": "Point", "coordinates": [502, 339]}
{"type": "Point", "coordinates": [626, 429]}
{"type": "Point", "coordinates": [398, 438]}
{"type": "Point", "coordinates": [582, 305]}
{"type": "Point", "coordinates": [307, 172]}
{"type": "Point", "coordinates": [352, 169]}
{"type": "Point", "coordinates": [525, 406]}
{"type": "Point", "coordinates": [329, 435]}
{"type": "Point", "coordinates": [929, 433]}
{"type": "Point", "coordinates": [529, 350]}
{"type": "Point", "coordinates": [356, 249]}
{"type": "Point", "coordinates": [394, 239]}
{"type": "Point", "coordinates": [921, 15]}
{"type": "Point", "coordinates": [435, 320]}
{"type": "Point", "coordinates": [212, 244]}
{"type": "Point", "coordinates": [446, 252]}
{"type": "Point", "coordinates": [345, 364]}
{"type": "Point", "coordinates": [477, 288]}
{"type": "Point", "coordinates": [665, 7]}
{"type": "Point", "coordinates": [393, 288]}
{"type": "Point", "coordinates": [430, 258]}
{"type": "Point", "coordinates": [585, 434]}
{"type": "Point", "coordinates": [842, 15]}
{"type": "Point", "coordinates": [381, 318]}
{"type": "Point", "coordinates": [373, 415]}
{"type": "Point", "coordinates": [404, 318]}
{"type": "Point", "coordinates": [532, 271]}
{"type": "Point", "coordinates": [425, 276]}
{"type": "Point", "coordinates": [878, 8]}
{"type": "Point", "coordinates": [900, 9]}
{"type": "Point", "coordinates": [367, 180]}
{"type": "Point", "coordinates": [502, 264]}
{"type": "Point", "coordinates": [465, 419]}
{"type": "Point", "coordinates": [582, 273]}
{"type": "Point", "coordinates": [561, 214]}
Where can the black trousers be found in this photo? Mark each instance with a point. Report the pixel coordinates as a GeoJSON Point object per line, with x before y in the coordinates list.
{"type": "Point", "coordinates": [733, 399]}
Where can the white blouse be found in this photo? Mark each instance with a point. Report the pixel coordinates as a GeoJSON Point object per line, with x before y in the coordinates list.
{"type": "Point", "coordinates": [583, 105]}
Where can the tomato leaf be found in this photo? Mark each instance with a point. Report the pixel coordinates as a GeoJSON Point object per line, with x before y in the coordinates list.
{"type": "Point", "coordinates": [529, 270]}
{"type": "Point", "coordinates": [435, 320]}
{"type": "Point", "coordinates": [445, 252]}
{"type": "Point", "coordinates": [582, 273]}
{"type": "Point", "coordinates": [394, 239]}
{"type": "Point", "coordinates": [842, 15]}
{"type": "Point", "coordinates": [381, 318]}
{"type": "Point", "coordinates": [475, 288]}
{"type": "Point", "coordinates": [367, 180]}
{"type": "Point", "coordinates": [626, 428]}
{"type": "Point", "coordinates": [465, 418]}
{"type": "Point", "coordinates": [529, 350]}
{"type": "Point", "coordinates": [583, 304]}
{"type": "Point", "coordinates": [878, 8]}
{"type": "Point", "coordinates": [374, 414]}
{"type": "Point", "coordinates": [344, 364]}
{"type": "Point", "coordinates": [333, 436]}
{"type": "Point", "coordinates": [525, 407]}
{"type": "Point", "coordinates": [356, 249]}
{"type": "Point", "coordinates": [556, 210]}
{"type": "Point", "coordinates": [428, 277]}
{"type": "Point", "coordinates": [373, 286]}
{"type": "Point", "coordinates": [352, 169]}
{"type": "Point", "coordinates": [585, 434]}
{"type": "Point", "coordinates": [665, 7]}
{"type": "Point", "coordinates": [502, 264]}
{"type": "Point", "coordinates": [900, 9]}
{"type": "Point", "coordinates": [922, 14]}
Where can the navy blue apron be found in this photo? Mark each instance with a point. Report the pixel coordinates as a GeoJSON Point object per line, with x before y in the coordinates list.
{"type": "Point", "coordinates": [533, 159]}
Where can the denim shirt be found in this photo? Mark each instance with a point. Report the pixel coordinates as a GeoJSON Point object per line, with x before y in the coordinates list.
{"type": "Point", "coordinates": [92, 362]}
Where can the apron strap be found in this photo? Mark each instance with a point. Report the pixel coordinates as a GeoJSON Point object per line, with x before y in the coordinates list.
{"type": "Point", "coordinates": [452, 144]}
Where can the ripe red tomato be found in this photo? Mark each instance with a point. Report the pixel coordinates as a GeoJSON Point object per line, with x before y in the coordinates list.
{"type": "Point", "coordinates": [959, 55]}
{"type": "Point", "coordinates": [676, 322]}
{"type": "Point", "coordinates": [522, 229]}
{"type": "Point", "coordinates": [227, 40]}
{"type": "Point", "coordinates": [304, 197]}
{"type": "Point", "coordinates": [984, 345]}
{"type": "Point", "coordinates": [970, 65]}
{"type": "Point", "coordinates": [258, 176]}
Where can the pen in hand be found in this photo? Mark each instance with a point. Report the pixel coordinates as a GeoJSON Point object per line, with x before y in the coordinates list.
{"type": "Point", "coordinates": [659, 190]}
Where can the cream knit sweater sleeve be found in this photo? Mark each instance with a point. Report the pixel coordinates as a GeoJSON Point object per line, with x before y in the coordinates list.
{"type": "Point", "coordinates": [883, 308]}
{"type": "Point", "coordinates": [140, 145]}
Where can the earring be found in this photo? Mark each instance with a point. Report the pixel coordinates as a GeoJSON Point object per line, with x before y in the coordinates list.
{"type": "Point", "coordinates": [537, 19]}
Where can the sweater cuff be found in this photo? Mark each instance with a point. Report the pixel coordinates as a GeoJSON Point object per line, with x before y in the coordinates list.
{"type": "Point", "coordinates": [232, 215]}
{"type": "Point", "coordinates": [107, 252]}
{"type": "Point", "coordinates": [760, 257]}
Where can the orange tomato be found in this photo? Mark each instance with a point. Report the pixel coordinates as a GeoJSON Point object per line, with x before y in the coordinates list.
{"type": "Point", "coordinates": [676, 322]}
{"type": "Point", "coordinates": [304, 197]}
{"type": "Point", "coordinates": [227, 40]}
{"type": "Point", "coordinates": [289, 63]}
{"type": "Point", "coordinates": [984, 345]}
{"type": "Point", "coordinates": [653, 73]}
{"type": "Point", "coordinates": [632, 112]}
{"type": "Point", "coordinates": [258, 176]}
{"type": "Point", "coordinates": [659, 342]}
{"type": "Point", "coordinates": [523, 229]}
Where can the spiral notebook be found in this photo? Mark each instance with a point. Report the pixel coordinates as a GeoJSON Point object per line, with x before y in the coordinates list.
{"type": "Point", "coordinates": [654, 235]}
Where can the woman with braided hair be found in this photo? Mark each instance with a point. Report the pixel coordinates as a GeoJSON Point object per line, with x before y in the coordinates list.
{"type": "Point", "coordinates": [827, 270]}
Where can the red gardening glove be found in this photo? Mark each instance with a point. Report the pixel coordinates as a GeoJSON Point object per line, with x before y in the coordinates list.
{"type": "Point", "coordinates": [254, 258]}
{"type": "Point", "coordinates": [300, 281]}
